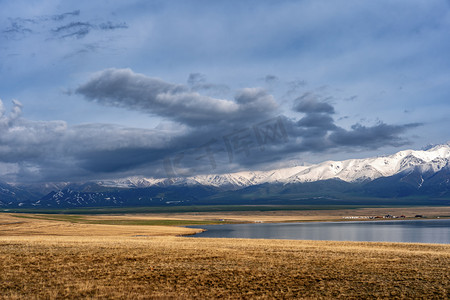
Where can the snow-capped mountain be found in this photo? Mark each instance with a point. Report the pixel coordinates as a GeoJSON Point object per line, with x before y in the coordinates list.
{"type": "Point", "coordinates": [406, 177]}
{"type": "Point", "coordinates": [132, 182]}
{"type": "Point", "coordinates": [351, 170]}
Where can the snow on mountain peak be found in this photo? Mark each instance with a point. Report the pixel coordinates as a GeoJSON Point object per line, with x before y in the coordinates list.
{"type": "Point", "coordinates": [351, 170]}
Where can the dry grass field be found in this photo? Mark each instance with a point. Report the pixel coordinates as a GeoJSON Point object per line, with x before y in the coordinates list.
{"type": "Point", "coordinates": [48, 259]}
{"type": "Point", "coordinates": [39, 225]}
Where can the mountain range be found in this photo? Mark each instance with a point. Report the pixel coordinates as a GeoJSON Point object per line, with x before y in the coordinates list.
{"type": "Point", "coordinates": [406, 177]}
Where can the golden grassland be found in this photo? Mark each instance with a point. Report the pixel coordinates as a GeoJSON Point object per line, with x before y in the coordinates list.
{"type": "Point", "coordinates": [38, 225]}
{"type": "Point", "coordinates": [49, 259]}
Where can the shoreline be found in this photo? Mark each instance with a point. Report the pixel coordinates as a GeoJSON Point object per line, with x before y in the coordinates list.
{"type": "Point", "coordinates": [195, 235]}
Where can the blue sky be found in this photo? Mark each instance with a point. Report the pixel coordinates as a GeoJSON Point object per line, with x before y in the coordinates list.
{"type": "Point", "coordinates": [107, 89]}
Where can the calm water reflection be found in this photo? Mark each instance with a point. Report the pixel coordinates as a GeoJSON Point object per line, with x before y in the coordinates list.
{"type": "Point", "coordinates": [415, 231]}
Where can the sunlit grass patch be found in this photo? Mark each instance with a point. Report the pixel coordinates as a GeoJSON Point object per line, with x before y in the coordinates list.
{"type": "Point", "coordinates": [183, 268]}
{"type": "Point", "coordinates": [118, 221]}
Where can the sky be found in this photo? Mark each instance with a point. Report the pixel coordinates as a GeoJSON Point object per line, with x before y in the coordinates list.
{"type": "Point", "coordinates": [94, 90]}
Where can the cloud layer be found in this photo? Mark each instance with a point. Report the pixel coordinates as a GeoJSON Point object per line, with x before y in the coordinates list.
{"type": "Point", "coordinates": [215, 136]}
{"type": "Point", "coordinates": [186, 87]}
{"type": "Point", "coordinates": [124, 88]}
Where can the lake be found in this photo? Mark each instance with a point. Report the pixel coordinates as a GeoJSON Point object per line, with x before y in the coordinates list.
{"type": "Point", "coordinates": [409, 231]}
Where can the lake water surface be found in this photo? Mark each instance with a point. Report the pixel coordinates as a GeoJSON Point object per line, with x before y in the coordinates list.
{"type": "Point", "coordinates": [412, 231]}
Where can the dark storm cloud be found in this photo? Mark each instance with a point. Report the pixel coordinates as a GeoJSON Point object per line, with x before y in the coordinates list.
{"type": "Point", "coordinates": [231, 124]}
{"type": "Point", "coordinates": [309, 103]}
{"type": "Point", "coordinates": [375, 136]}
{"type": "Point", "coordinates": [105, 148]}
{"type": "Point", "coordinates": [323, 121]}
{"type": "Point", "coordinates": [124, 88]}
{"type": "Point", "coordinates": [283, 137]}
{"type": "Point", "coordinates": [118, 160]}
{"type": "Point", "coordinates": [52, 151]}
{"type": "Point", "coordinates": [326, 135]}
{"type": "Point", "coordinates": [213, 135]}
{"type": "Point", "coordinates": [22, 140]}
{"type": "Point", "coordinates": [316, 130]}
{"type": "Point", "coordinates": [255, 101]}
